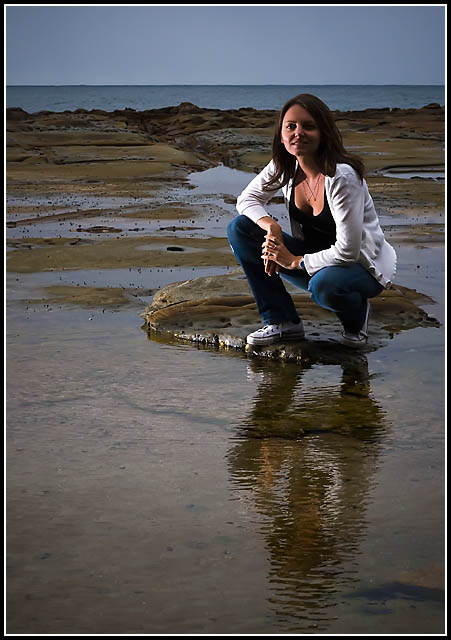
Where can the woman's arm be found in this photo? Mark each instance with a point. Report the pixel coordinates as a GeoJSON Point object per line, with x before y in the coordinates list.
{"type": "Point", "coordinates": [252, 201]}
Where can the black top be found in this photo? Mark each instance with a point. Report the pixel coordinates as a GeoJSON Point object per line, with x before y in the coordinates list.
{"type": "Point", "coordinates": [319, 231]}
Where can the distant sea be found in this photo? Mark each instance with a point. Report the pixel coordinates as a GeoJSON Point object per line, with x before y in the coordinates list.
{"type": "Point", "coordinates": [141, 97]}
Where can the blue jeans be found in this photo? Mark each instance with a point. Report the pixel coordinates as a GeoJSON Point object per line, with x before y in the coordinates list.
{"type": "Point", "coordinates": [342, 289]}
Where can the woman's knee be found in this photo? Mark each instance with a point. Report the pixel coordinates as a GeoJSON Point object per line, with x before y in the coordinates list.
{"type": "Point", "coordinates": [243, 233]}
{"type": "Point", "coordinates": [324, 290]}
{"type": "Point", "coordinates": [239, 225]}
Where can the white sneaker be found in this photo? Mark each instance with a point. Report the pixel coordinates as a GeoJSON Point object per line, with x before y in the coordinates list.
{"type": "Point", "coordinates": [271, 333]}
{"type": "Point", "coordinates": [361, 338]}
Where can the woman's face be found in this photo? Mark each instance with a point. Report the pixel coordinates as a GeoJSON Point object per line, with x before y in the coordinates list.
{"type": "Point", "coordinates": [300, 134]}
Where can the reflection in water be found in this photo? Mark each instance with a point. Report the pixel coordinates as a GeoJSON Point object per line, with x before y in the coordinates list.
{"type": "Point", "coordinates": [306, 455]}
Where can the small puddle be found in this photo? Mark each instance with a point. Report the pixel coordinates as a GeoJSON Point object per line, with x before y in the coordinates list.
{"type": "Point", "coordinates": [430, 173]}
{"type": "Point", "coordinates": [220, 179]}
{"type": "Point", "coordinates": [226, 181]}
{"type": "Point", "coordinates": [26, 286]}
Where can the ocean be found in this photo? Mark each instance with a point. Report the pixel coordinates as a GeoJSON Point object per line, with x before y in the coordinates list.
{"type": "Point", "coordinates": [141, 97]}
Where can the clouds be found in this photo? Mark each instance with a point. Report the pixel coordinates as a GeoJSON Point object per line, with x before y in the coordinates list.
{"type": "Point", "coordinates": [146, 44]}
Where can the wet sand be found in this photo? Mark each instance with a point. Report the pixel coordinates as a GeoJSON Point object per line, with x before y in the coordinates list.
{"type": "Point", "coordinates": [151, 485]}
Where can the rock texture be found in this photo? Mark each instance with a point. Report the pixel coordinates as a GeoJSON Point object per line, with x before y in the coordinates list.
{"type": "Point", "coordinates": [85, 146]}
{"type": "Point", "coordinates": [220, 311]}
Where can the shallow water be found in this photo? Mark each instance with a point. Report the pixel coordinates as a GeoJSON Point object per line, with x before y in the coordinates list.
{"type": "Point", "coordinates": [431, 173]}
{"type": "Point", "coordinates": [158, 487]}
{"type": "Point", "coordinates": [207, 215]}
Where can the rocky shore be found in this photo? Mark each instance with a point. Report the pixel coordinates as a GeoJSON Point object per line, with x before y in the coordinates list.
{"type": "Point", "coordinates": [95, 190]}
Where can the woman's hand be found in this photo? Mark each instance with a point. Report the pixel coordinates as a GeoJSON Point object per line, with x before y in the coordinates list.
{"type": "Point", "coordinates": [276, 255]}
{"type": "Point", "coordinates": [273, 229]}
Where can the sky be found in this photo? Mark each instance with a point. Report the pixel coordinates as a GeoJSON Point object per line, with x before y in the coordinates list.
{"type": "Point", "coordinates": [225, 44]}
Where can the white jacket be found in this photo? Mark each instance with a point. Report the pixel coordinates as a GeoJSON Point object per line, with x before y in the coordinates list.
{"type": "Point", "coordinates": [359, 237]}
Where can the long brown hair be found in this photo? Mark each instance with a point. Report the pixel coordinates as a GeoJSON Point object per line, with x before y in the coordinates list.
{"type": "Point", "coordinates": [331, 149]}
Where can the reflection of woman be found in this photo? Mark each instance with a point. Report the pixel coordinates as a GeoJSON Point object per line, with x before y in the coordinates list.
{"type": "Point", "coordinates": [311, 491]}
{"type": "Point", "coordinates": [291, 413]}
{"type": "Point", "coordinates": [338, 251]}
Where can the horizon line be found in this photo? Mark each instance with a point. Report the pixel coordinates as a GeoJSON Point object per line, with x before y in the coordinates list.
{"type": "Point", "coordinates": [394, 84]}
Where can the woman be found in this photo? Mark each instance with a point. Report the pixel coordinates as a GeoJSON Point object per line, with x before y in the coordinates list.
{"type": "Point", "coordinates": [337, 251]}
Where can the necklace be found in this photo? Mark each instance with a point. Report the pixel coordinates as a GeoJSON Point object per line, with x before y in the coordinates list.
{"type": "Point", "coordinates": [314, 191]}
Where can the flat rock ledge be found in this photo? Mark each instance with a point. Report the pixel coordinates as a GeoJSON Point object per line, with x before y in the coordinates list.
{"type": "Point", "coordinates": [219, 311]}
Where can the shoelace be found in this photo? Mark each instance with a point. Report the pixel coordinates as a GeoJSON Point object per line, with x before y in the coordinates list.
{"type": "Point", "coordinates": [267, 327]}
